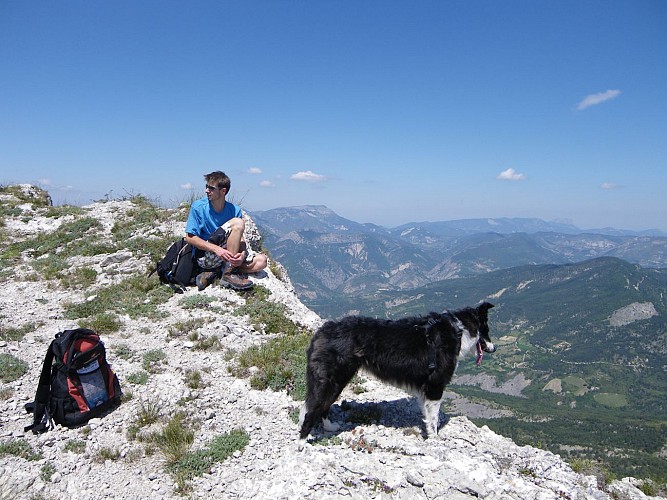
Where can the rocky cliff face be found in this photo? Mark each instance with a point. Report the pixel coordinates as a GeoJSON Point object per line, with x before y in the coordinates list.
{"type": "Point", "coordinates": [384, 457]}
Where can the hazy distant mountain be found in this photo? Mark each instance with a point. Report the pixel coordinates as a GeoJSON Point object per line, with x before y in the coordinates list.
{"type": "Point", "coordinates": [316, 218]}
{"type": "Point", "coordinates": [502, 225]}
{"type": "Point", "coordinates": [331, 258]}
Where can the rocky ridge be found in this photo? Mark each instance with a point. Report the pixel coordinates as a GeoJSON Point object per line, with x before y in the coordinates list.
{"type": "Point", "coordinates": [386, 458]}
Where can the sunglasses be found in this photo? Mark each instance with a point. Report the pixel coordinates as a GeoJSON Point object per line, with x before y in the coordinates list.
{"type": "Point", "coordinates": [211, 188]}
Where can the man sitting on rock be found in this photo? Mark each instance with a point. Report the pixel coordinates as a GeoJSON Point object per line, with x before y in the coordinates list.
{"type": "Point", "coordinates": [215, 228]}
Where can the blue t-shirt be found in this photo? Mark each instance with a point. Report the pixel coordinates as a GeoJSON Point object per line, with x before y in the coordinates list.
{"type": "Point", "coordinates": [203, 220]}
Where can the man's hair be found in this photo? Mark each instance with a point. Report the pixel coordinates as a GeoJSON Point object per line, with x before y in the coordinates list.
{"type": "Point", "coordinates": [218, 179]}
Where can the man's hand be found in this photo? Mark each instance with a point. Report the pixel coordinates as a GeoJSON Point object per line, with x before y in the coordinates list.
{"type": "Point", "coordinates": [234, 259]}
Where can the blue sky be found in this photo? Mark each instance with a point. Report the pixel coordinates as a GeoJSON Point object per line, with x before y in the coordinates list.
{"type": "Point", "coordinates": [385, 111]}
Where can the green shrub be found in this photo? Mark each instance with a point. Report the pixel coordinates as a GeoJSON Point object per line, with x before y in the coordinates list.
{"type": "Point", "coordinates": [187, 327]}
{"type": "Point", "coordinates": [80, 277]}
{"type": "Point", "coordinates": [19, 448]}
{"type": "Point", "coordinates": [75, 446]}
{"type": "Point", "coordinates": [57, 241]}
{"type": "Point", "coordinates": [134, 296]}
{"type": "Point", "coordinates": [149, 413]}
{"type": "Point", "coordinates": [102, 323]}
{"type": "Point", "coordinates": [47, 471]}
{"type": "Point", "coordinates": [90, 248]}
{"type": "Point", "coordinates": [199, 462]}
{"type": "Point", "coordinates": [63, 210]}
{"type": "Point", "coordinates": [15, 334]}
{"type": "Point", "coordinates": [153, 360]}
{"type": "Point", "coordinates": [123, 351]}
{"type": "Point", "coordinates": [198, 301]}
{"type": "Point", "coordinates": [51, 267]}
{"type": "Point", "coordinates": [139, 378]}
{"type": "Point", "coordinates": [280, 363]}
{"type": "Point", "coordinates": [208, 343]}
{"type": "Point", "coordinates": [592, 468]}
{"type": "Point", "coordinates": [11, 368]}
{"type": "Point", "coordinates": [104, 454]}
{"type": "Point", "coordinates": [266, 316]}
{"type": "Point", "coordinates": [175, 439]}
{"type": "Point", "coordinates": [193, 379]}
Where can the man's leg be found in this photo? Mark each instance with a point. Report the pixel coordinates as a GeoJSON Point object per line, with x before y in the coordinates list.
{"type": "Point", "coordinates": [235, 244]}
{"type": "Point", "coordinates": [235, 234]}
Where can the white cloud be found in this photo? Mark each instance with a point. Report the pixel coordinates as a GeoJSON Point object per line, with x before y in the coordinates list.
{"type": "Point", "coordinates": [511, 175]}
{"type": "Point", "coordinates": [608, 185]}
{"type": "Point", "coordinates": [308, 176]}
{"type": "Point", "coordinates": [267, 184]}
{"type": "Point", "coordinates": [48, 183]}
{"type": "Point", "coordinates": [600, 97]}
{"type": "Point", "coordinates": [187, 185]}
{"type": "Point", "coordinates": [254, 170]}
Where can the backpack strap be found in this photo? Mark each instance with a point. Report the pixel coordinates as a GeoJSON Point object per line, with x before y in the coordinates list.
{"type": "Point", "coordinates": [42, 420]}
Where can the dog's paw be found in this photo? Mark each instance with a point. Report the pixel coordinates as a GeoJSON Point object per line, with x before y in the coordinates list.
{"type": "Point", "coordinates": [329, 426]}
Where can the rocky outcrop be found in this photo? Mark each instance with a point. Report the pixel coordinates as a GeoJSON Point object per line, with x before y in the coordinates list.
{"type": "Point", "coordinates": [386, 457]}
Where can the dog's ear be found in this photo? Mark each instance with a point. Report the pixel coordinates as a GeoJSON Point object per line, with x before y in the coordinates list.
{"type": "Point", "coordinates": [484, 307]}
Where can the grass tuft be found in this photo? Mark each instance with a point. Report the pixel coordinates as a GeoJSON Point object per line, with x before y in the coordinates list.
{"type": "Point", "coordinates": [278, 364]}
{"type": "Point", "coordinates": [11, 367]}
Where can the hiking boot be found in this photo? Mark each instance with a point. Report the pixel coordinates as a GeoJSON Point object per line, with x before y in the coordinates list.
{"type": "Point", "coordinates": [232, 280]}
{"type": "Point", "coordinates": [205, 279]}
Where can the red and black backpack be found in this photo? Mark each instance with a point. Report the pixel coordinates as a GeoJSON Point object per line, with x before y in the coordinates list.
{"type": "Point", "coordinates": [76, 383]}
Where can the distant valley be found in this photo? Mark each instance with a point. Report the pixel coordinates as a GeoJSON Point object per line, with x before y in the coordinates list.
{"type": "Point", "coordinates": [580, 318]}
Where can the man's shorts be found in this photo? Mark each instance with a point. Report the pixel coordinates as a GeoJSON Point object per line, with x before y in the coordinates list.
{"type": "Point", "coordinates": [219, 237]}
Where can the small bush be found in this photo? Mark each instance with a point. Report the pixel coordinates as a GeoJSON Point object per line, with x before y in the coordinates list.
{"type": "Point", "coordinates": [102, 323]}
{"type": "Point", "coordinates": [208, 343]}
{"type": "Point", "coordinates": [193, 379]}
{"type": "Point", "coordinates": [15, 334]}
{"type": "Point", "coordinates": [175, 439]}
{"type": "Point", "coordinates": [591, 468]}
{"type": "Point", "coordinates": [197, 301]}
{"type": "Point", "coordinates": [153, 360]}
{"type": "Point", "coordinates": [196, 463]}
{"type": "Point", "coordinates": [57, 242]}
{"type": "Point", "coordinates": [19, 448]}
{"type": "Point", "coordinates": [75, 446]}
{"type": "Point", "coordinates": [181, 328]}
{"type": "Point", "coordinates": [280, 363]}
{"type": "Point", "coordinates": [149, 413]}
{"type": "Point", "coordinates": [47, 471]}
{"type": "Point", "coordinates": [105, 454]}
{"type": "Point", "coordinates": [266, 316]}
{"type": "Point", "coordinates": [11, 368]}
{"type": "Point", "coordinates": [135, 296]}
{"type": "Point", "coordinates": [139, 378]}
{"type": "Point", "coordinates": [123, 351]}
{"type": "Point", "coordinates": [649, 488]}
{"type": "Point", "coordinates": [82, 277]}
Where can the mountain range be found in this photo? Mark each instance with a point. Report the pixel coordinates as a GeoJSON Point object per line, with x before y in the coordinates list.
{"type": "Point", "coordinates": [580, 319]}
{"type": "Point", "coordinates": [333, 260]}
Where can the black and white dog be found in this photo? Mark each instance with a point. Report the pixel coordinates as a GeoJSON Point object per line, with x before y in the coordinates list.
{"type": "Point", "coordinates": [418, 354]}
